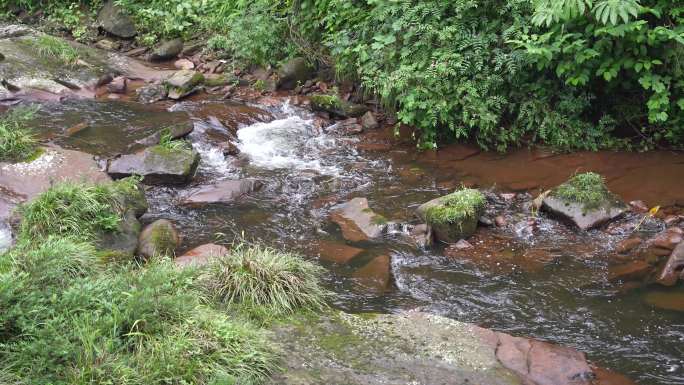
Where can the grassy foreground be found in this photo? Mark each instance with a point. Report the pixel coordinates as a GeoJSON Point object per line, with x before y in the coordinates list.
{"type": "Point", "coordinates": [69, 317]}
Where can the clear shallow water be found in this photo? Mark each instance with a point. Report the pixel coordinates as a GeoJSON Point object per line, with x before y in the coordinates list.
{"type": "Point", "coordinates": [550, 284]}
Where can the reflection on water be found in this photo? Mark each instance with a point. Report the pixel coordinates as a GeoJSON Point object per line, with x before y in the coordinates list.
{"type": "Point", "coordinates": [548, 282]}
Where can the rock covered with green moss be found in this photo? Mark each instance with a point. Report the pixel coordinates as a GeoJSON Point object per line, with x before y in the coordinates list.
{"type": "Point", "coordinates": [183, 83]}
{"type": "Point", "coordinates": [337, 107]}
{"type": "Point", "coordinates": [158, 165]}
{"type": "Point", "coordinates": [585, 201]}
{"type": "Point", "coordinates": [159, 238]}
{"type": "Point", "coordinates": [419, 348]}
{"type": "Point", "coordinates": [454, 216]}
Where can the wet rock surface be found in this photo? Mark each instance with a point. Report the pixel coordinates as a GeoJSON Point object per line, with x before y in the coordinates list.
{"type": "Point", "coordinates": [157, 165]}
{"type": "Point", "coordinates": [20, 182]}
{"type": "Point", "coordinates": [414, 347]}
{"type": "Point", "coordinates": [223, 192]}
{"type": "Point", "coordinates": [357, 221]}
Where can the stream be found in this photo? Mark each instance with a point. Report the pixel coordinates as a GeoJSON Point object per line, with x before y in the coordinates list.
{"type": "Point", "coordinates": [549, 282]}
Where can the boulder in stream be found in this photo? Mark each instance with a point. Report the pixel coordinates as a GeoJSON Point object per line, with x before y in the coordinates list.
{"type": "Point", "coordinates": [167, 50]}
{"type": "Point", "coordinates": [673, 267]}
{"type": "Point", "coordinates": [157, 165]}
{"type": "Point", "coordinates": [183, 83]}
{"type": "Point", "coordinates": [415, 347]}
{"type": "Point", "coordinates": [159, 238]}
{"type": "Point", "coordinates": [337, 107]}
{"type": "Point", "coordinates": [454, 216]}
{"type": "Point", "coordinates": [152, 93]}
{"type": "Point", "coordinates": [584, 201]}
{"type": "Point", "coordinates": [116, 21]}
{"type": "Point", "coordinates": [293, 72]}
{"type": "Point", "coordinates": [223, 192]}
{"type": "Point", "coordinates": [358, 222]}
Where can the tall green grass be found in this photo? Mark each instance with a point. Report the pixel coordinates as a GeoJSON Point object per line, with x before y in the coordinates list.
{"type": "Point", "coordinates": [68, 317]}
{"type": "Point", "coordinates": [17, 141]}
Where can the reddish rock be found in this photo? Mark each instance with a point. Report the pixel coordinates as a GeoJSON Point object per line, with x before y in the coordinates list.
{"type": "Point", "coordinates": [462, 245]}
{"type": "Point", "coordinates": [509, 196]}
{"type": "Point", "coordinates": [668, 239]}
{"type": "Point", "coordinates": [201, 255]}
{"type": "Point", "coordinates": [631, 271]}
{"type": "Point", "coordinates": [118, 85]}
{"type": "Point", "coordinates": [672, 220]}
{"type": "Point", "coordinates": [357, 221]}
{"type": "Point", "coordinates": [668, 275]}
{"type": "Point", "coordinates": [500, 221]}
{"type": "Point", "coordinates": [638, 206]}
{"type": "Point", "coordinates": [368, 121]}
{"type": "Point", "coordinates": [184, 64]}
{"type": "Point", "coordinates": [375, 276]}
{"type": "Point", "coordinates": [222, 192]}
{"type": "Point", "coordinates": [628, 245]}
{"type": "Point", "coordinates": [337, 252]}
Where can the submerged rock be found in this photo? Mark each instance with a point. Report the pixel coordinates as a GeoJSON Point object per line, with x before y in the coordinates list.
{"type": "Point", "coordinates": [294, 71]}
{"type": "Point", "coordinates": [454, 216]}
{"type": "Point", "coordinates": [201, 255]}
{"type": "Point", "coordinates": [157, 165]}
{"type": "Point", "coordinates": [376, 275]}
{"type": "Point", "coordinates": [152, 93]}
{"type": "Point", "coordinates": [337, 252]}
{"type": "Point", "coordinates": [585, 201]}
{"type": "Point", "coordinates": [358, 222]}
{"type": "Point", "coordinates": [116, 21]}
{"type": "Point", "coordinates": [159, 238]}
{"type": "Point", "coordinates": [414, 347]}
{"type": "Point", "coordinates": [223, 192]}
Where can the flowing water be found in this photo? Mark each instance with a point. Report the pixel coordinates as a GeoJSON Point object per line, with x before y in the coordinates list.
{"type": "Point", "coordinates": [544, 280]}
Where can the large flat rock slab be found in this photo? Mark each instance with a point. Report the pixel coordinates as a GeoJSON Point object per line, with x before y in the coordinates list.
{"type": "Point", "coordinates": [419, 348]}
{"type": "Point", "coordinates": [357, 221]}
{"type": "Point", "coordinates": [23, 181]}
{"type": "Point", "coordinates": [157, 165]}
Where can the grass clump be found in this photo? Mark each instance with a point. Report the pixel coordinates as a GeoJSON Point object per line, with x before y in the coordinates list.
{"type": "Point", "coordinates": [588, 189]}
{"type": "Point", "coordinates": [457, 206]}
{"type": "Point", "coordinates": [70, 209]}
{"type": "Point", "coordinates": [55, 48]}
{"type": "Point", "coordinates": [326, 101]}
{"type": "Point", "coordinates": [17, 142]}
{"type": "Point", "coordinates": [256, 277]}
{"type": "Point", "coordinates": [168, 143]}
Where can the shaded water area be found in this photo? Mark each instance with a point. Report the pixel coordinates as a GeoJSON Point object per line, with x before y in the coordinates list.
{"type": "Point", "coordinates": [531, 277]}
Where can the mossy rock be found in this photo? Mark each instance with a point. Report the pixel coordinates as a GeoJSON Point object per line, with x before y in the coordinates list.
{"type": "Point", "coordinates": [157, 165]}
{"type": "Point", "coordinates": [336, 106]}
{"type": "Point", "coordinates": [183, 83]}
{"type": "Point", "coordinates": [454, 216]}
{"type": "Point", "coordinates": [159, 238]}
{"type": "Point", "coordinates": [120, 245]}
{"type": "Point", "coordinates": [585, 201]}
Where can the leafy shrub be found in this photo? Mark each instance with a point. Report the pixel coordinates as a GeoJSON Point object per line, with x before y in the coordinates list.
{"type": "Point", "coordinates": [16, 140]}
{"type": "Point", "coordinates": [260, 277]}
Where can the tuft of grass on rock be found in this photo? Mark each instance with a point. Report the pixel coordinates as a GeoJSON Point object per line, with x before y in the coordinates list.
{"type": "Point", "coordinates": [17, 142]}
{"type": "Point", "coordinates": [75, 209]}
{"type": "Point", "coordinates": [457, 206]}
{"type": "Point", "coordinates": [51, 47]}
{"type": "Point", "coordinates": [267, 280]}
{"type": "Point", "coordinates": [588, 189]}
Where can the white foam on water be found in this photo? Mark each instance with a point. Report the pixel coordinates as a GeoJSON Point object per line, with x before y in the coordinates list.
{"type": "Point", "coordinates": [288, 143]}
{"type": "Point", "coordinates": [213, 161]}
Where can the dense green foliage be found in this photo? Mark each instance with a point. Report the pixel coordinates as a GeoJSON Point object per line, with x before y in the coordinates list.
{"type": "Point", "coordinates": [69, 317]}
{"type": "Point", "coordinates": [17, 142]}
{"type": "Point", "coordinates": [573, 74]}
